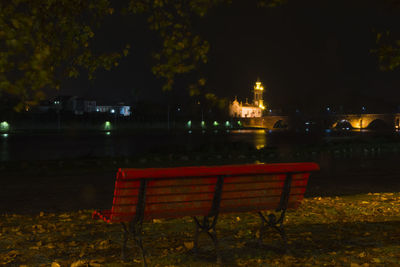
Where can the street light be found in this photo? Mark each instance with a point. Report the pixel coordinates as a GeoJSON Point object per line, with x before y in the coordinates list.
{"type": "Point", "coordinates": [4, 126]}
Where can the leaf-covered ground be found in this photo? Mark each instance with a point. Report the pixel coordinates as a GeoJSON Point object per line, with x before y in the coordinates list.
{"type": "Point", "coordinates": [360, 230]}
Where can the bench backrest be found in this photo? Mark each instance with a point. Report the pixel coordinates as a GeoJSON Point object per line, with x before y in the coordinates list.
{"type": "Point", "coordinates": [193, 191]}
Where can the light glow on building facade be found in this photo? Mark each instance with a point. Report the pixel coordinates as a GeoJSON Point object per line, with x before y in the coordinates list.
{"type": "Point", "coordinates": [254, 110]}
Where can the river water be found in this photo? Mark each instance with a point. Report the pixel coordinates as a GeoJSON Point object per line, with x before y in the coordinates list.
{"type": "Point", "coordinates": [53, 146]}
{"type": "Point", "coordinates": [350, 163]}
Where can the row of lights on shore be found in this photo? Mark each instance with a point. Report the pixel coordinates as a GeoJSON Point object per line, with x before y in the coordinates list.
{"type": "Point", "coordinates": [107, 125]}
{"type": "Point", "coordinates": [215, 124]}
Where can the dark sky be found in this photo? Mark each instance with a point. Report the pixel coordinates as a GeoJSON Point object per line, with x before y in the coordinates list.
{"type": "Point", "coordinates": [305, 52]}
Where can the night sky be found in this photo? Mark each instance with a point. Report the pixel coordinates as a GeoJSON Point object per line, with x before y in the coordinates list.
{"type": "Point", "coordinates": [305, 52]}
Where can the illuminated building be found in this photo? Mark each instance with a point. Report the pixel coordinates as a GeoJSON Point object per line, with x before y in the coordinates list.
{"type": "Point", "coordinates": [239, 110]}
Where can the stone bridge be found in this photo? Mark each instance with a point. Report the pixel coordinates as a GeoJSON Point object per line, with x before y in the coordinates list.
{"type": "Point", "coordinates": [356, 121]}
{"type": "Point", "coordinates": [361, 121]}
{"type": "Point", "coordinates": [268, 122]}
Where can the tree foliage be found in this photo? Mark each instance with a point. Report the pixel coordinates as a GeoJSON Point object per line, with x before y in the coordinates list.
{"type": "Point", "coordinates": [183, 50]}
{"type": "Point", "coordinates": [43, 41]}
{"type": "Point", "coordinates": [388, 51]}
{"type": "Point", "coordinates": [387, 42]}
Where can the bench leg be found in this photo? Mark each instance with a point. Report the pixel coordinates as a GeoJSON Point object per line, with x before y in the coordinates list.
{"type": "Point", "coordinates": [125, 240]}
{"type": "Point", "coordinates": [136, 230]}
{"type": "Point", "coordinates": [209, 229]}
{"type": "Point", "coordinates": [274, 223]}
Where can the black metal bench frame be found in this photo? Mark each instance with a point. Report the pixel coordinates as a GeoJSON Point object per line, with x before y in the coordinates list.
{"type": "Point", "coordinates": [207, 225]}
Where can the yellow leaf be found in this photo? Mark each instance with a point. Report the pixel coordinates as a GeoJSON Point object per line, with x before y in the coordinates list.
{"type": "Point", "coordinates": [156, 221]}
{"type": "Point", "coordinates": [55, 264]}
{"type": "Point", "coordinates": [377, 260]}
{"type": "Point", "coordinates": [189, 245]}
{"type": "Point", "coordinates": [79, 263]}
{"type": "Point", "coordinates": [362, 255]}
{"type": "Point", "coordinates": [238, 219]}
{"type": "Point", "coordinates": [41, 214]}
{"type": "Point", "coordinates": [73, 243]}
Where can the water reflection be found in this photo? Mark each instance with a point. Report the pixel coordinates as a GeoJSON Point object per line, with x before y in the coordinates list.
{"type": "Point", "coordinates": [260, 139]}
{"type": "Point", "coordinates": [257, 137]}
{"type": "Point", "coordinates": [25, 146]}
{"type": "Point", "coordinates": [4, 151]}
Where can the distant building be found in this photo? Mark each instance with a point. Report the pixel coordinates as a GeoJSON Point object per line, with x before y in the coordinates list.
{"type": "Point", "coordinates": [119, 109]}
{"type": "Point", "coordinates": [239, 110]}
{"type": "Point", "coordinates": [89, 106]}
{"type": "Point", "coordinates": [79, 106]}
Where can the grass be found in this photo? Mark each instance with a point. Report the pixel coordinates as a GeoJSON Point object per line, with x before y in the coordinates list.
{"type": "Point", "coordinates": [359, 230]}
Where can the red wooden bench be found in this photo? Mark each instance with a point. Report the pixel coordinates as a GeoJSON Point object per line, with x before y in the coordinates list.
{"type": "Point", "coordinates": [146, 194]}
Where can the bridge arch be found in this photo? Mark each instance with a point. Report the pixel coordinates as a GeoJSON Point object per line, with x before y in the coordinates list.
{"type": "Point", "coordinates": [279, 124]}
{"type": "Point", "coordinates": [378, 124]}
{"type": "Point", "coordinates": [363, 121]}
{"type": "Point", "coordinates": [343, 124]}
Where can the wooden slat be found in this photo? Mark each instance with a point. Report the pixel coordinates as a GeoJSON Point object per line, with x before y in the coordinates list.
{"type": "Point", "coordinates": [250, 186]}
{"type": "Point", "coordinates": [129, 209]}
{"type": "Point", "coordinates": [153, 191]}
{"type": "Point", "coordinates": [259, 193]}
{"type": "Point", "coordinates": [127, 184]}
{"type": "Point", "coordinates": [254, 178]}
{"type": "Point", "coordinates": [262, 178]}
{"type": "Point", "coordinates": [189, 197]}
{"type": "Point", "coordinates": [203, 171]}
{"type": "Point", "coordinates": [125, 200]}
{"type": "Point", "coordinates": [184, 181]}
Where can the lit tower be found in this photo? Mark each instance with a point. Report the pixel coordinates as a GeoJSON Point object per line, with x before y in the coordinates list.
{"type": "Point", "coordinates": [258, 94]}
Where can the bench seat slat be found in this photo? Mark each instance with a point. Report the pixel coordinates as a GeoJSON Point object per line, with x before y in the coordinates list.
{"type": "Point", "coordinates": [254, 178]}
{"type": "Point", "coordinates": [180, 197]}
{"type": "Point", "coordinates": [123, 209]}
{"type": "Point", "coordinates": [183, 181]}
{"type": "Point", "coordinates": [249, 186]}
{"type": "Point", "coordinates": [270, 202]}
{"type": "Point", "coordinates": [150, 191]}
{"type": "Point", "coordinates": [260, 193]}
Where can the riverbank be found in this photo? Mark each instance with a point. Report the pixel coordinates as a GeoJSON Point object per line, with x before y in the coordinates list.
{"type": "Point", "coordinates": [357, 230]}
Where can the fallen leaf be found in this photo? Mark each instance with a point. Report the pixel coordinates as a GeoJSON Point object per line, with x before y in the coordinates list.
{"type": "Point", "coordinates": [189, 245]}
{"type": "Point", "coordinates": [79, 263]}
